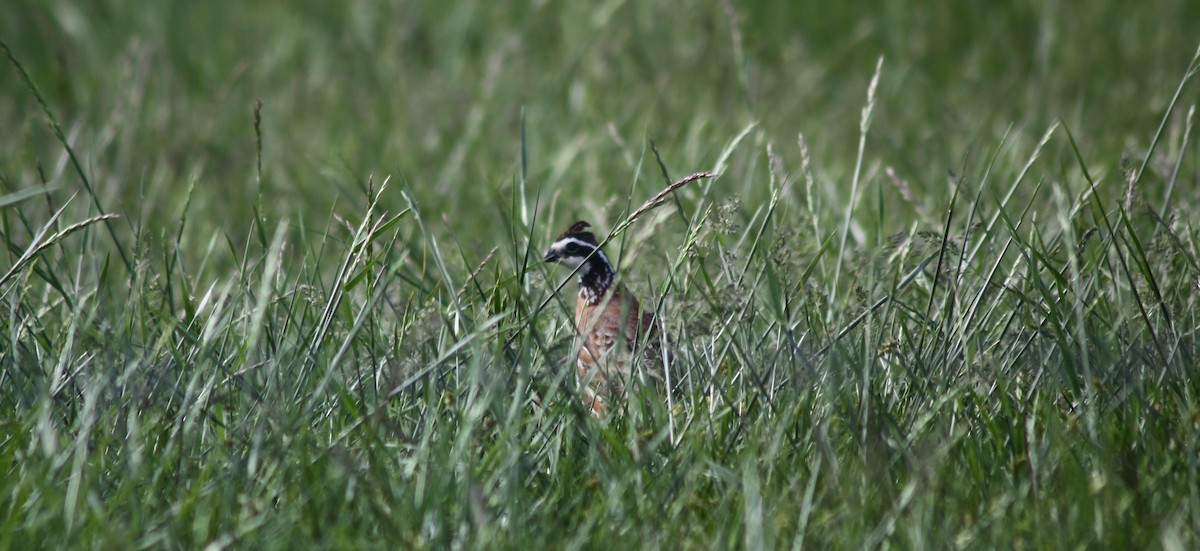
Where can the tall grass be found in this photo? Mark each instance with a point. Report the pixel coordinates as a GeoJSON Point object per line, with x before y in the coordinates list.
{"type": "Point", "coordinates": [950, 315]}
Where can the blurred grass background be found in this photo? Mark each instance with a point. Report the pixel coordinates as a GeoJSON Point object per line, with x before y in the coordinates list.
{"type": "Point", "coordinates": [161, 95]}
{"type": "Point", "coordinates": [284, 370]}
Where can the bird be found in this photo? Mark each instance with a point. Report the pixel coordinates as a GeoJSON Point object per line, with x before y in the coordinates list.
{"type": "Point", "coordinates": [611, 327]}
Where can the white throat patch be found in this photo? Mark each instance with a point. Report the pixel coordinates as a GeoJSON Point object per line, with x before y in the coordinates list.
{"type": "Point", "coordinates": [573, 261]}
{"type": "Point", "coordinates": [592, 291]}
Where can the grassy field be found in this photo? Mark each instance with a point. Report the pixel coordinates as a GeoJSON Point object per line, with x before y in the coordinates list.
{"type": "Point", "coordinates": [272, 274]}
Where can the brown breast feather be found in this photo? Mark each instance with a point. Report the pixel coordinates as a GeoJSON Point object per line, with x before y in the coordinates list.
{"type": "Point", "coordinates": [609, 332]}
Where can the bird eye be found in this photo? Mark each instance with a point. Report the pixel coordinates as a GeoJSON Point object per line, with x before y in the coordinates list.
{"type": "Point", "coordinates": [572, 248]}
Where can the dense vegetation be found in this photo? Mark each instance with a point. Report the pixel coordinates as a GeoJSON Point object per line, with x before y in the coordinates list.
{"type": "Point", "coordinates": [272, 273]}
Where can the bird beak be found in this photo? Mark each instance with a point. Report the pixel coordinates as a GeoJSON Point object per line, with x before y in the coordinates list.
{"type": "Point", "coordinates": [551, 256]}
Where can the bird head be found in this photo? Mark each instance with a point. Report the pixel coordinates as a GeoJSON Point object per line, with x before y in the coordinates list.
{"type": "Point", "coordinates": [573, 247]}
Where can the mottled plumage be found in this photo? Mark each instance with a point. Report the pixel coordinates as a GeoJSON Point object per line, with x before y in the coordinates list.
{"type": "Point", "coordinates": [610, 324]}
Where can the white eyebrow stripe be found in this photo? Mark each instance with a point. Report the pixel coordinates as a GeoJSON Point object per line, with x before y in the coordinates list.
{"type": "Point", "coordinates": [562, 244]}
{"type": "Point", "coordinates": [568, 240]}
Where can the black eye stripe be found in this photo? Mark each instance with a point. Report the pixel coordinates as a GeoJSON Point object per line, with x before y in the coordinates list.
{"type": "Point", "coordinates": [575, 248]}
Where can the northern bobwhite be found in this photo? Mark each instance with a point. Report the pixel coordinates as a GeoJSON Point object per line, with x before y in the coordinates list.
{"type": "Point", "coordinates": [610, 324]}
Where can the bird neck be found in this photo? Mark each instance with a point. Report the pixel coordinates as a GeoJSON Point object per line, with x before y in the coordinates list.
{"type": "Point", "coordinates": [596, 279]}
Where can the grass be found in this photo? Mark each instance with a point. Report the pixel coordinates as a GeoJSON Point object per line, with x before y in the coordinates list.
{"type": "Point", "coordinates": [271, 274]}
